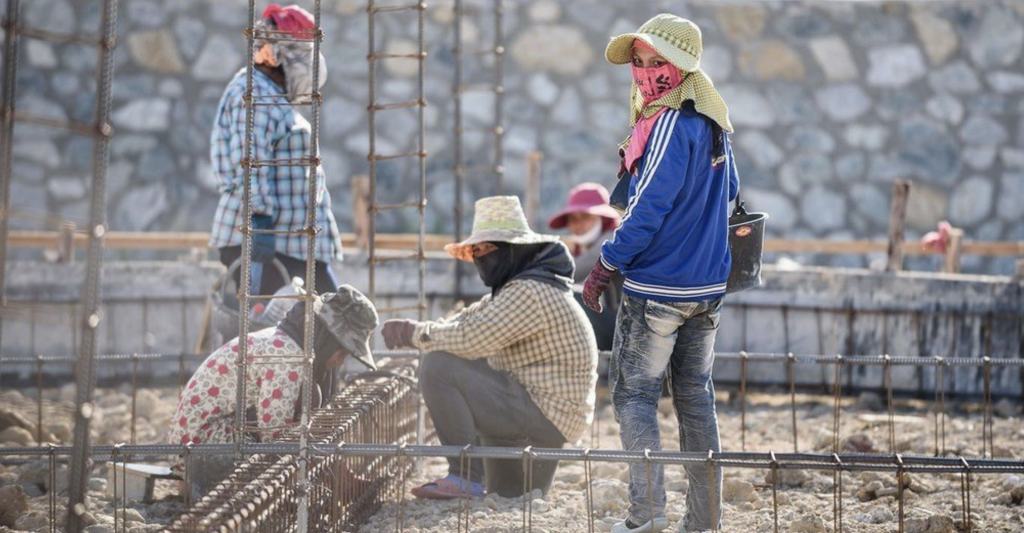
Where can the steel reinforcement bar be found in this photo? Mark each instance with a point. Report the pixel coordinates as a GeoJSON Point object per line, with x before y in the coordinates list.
{"type": "Point", "coordinates": [260, 495]}
{"type": "Point", "coordinates": [264, 491]}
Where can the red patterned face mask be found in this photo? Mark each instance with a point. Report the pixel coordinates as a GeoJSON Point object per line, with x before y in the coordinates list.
{"type": "Point", "coordinates": [653, 82]}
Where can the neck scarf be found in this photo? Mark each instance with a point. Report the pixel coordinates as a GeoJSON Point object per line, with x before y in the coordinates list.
{"type": "Point", "coordinates": [497, 268]}
{"type": "Point", "coordinates": [696, 87]}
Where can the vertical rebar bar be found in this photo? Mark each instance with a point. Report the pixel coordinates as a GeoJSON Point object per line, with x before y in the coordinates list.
{"type": "Point", "coordinates": [7, 97]}
{"type": "Point", "coordinates": [371, 160]}
{"type": "Point", "coordinates": [241, 361]}
{"type": "Point", "coordinates": [499, 93]}
{"type": "Point", "coordinates": [457, 210]}
{"type": "Point", "coordinates": [91, 288]}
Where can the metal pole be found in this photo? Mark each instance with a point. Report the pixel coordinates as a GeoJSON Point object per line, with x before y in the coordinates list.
{"type": "Point", "coordinates": [7, 97]}
{"type": "Point", "coordinates": [457, 146]}
{"type": "Point", "coordinates": [241, 361]}
{"type": "Point", "coordinates": [308, 334]}
{"type": "Point", "coordinates": [371, 157]}
{"type": "Point", "coordinates": [499, 93]}
{"type": "Point", "coordinates": [92, 288]}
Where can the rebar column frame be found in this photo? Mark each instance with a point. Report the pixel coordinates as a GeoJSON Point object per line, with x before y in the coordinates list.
{"type": "Point", "coordinates": [498, 130]}
{"type": "Point", "coordinates": [312, 164]}
{"type": "Point", "coordinates": [92, 286]}
{"type": "Point", "coordinates": [373, 56]}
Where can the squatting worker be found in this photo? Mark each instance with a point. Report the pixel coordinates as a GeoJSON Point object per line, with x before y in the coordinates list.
{"type": "Point", "coordinates": [673, 250]}
{"type": "Point", "coordinates": [283, 75]}
{"type": "Point", "coordinates": [206, 410]}
{"type": "Point", "coordinates": [518, 367]}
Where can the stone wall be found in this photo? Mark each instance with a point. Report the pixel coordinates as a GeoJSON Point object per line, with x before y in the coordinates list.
{"type": "Point", "coordinates": [832, 101]}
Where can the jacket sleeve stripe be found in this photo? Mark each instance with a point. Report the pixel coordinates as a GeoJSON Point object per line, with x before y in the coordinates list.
{"type": "Point", "coordinates": [662, 135]}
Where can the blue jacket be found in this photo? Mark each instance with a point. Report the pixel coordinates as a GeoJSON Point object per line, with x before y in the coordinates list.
{"type": "Point", "coordinates": [673, 243]}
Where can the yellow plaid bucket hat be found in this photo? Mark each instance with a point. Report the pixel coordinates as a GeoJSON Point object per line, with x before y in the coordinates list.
{"type": "Point", "coordinates": [497, 219]}
{"type": "Point", "coordinates": [678, 40]}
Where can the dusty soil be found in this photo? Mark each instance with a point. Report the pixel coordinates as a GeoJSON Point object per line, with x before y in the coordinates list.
{"type": "Point", "coordinates": [804, 498]}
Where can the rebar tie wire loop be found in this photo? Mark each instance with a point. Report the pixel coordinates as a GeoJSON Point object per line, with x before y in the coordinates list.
{"type": "Point", "coordinates": [900, 496]}
{"type": "Point", "coordinates": [712, 488]}
{"type": "Point", "coordinates": [938, 405]}
{"type": "Point", "coordinates": [465, 472]}
{"type": "Point", "coordinates": [790, 360]}
{"type": "Point", "coordinates": [889, 402]}
{"type": "Point", "coordinates": [52, 494]}
{"type": "Point", "coordinates": [775, 490]}
{"type": "Point", "coordinates": [837, 494]}
{"type": "Point", "coordinates": [987, 429]}
{"type": "Point", "coordinates": [743, 400]}
{"type": "Point", "coordinates": [965, 495]}
{"type": "Point", "coordinates": [402, 462]}
{"type": "Point", "coordinates": [837, 389]}
{"type": "Point", "coordinates": [650, 493]}
{"type": "Point", "coordinates": [587, 478]}
{"type": "Point", "coordinates": [527, 455]}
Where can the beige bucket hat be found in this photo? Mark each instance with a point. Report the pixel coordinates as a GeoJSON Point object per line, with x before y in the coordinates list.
{"type": "Point", "coordinates": [678, 40]}
{"type": "Point", "coordinates": [498, 219]}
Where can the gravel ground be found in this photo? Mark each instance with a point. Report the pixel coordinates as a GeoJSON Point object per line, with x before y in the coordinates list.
{"type": "Point", "coordinates": [804, 498]}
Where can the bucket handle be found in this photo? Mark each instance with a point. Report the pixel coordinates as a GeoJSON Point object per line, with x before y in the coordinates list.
{"type": "Point", "coordinates": [740, 209]}
{"type": "Point", "coordinates": [229, 275]}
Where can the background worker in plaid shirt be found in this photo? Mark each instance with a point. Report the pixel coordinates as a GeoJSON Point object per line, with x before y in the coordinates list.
{"type": "Point", "coordinates": [516, 368]}
{"type": "Point", "coordinates": [283, 72]}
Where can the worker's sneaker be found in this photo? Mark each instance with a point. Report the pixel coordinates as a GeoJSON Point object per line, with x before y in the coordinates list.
{"type": "Point", "coordinates": [650, 526]}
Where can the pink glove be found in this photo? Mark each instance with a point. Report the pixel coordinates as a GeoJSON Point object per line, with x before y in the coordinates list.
{"type": "Point", "coordinates": [398, 332]}
{"type": "Point", "coordinates": [595, 285]}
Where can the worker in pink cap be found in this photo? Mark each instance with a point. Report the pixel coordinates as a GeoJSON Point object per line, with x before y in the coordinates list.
{"type": "Point", "coordinates": [591, 221]}
{"type": "Point", "coordinates": [282, 78]}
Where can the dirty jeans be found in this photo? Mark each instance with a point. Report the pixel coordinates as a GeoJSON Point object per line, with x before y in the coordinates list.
{"type": "Point", "coordinates": [651, 337]}
{"type": "Point", "coordinates": [472, 403]}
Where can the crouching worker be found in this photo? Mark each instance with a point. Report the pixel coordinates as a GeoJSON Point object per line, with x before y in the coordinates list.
{"type": "Point", "coordinates": [516, 368]}
{"type": "Point", "coordinates": [206, 410]}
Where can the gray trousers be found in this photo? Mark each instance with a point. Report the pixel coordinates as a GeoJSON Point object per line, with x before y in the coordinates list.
{"type": "Point", "coordinates": [472, 403]}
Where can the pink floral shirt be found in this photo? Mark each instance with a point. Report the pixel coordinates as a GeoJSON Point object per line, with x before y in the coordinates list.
{"type": "Point", "coordinates": [206, 408]}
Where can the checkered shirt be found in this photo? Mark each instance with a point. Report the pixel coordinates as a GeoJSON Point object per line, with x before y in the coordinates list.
{"type": "Point", "coordinates": [538, 334]}
{"type": "Point", "coordinates": [279, 133]}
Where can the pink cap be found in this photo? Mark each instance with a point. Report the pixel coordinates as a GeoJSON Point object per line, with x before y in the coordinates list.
{"type": "Point", "coordinates": [292, 19]}
{"type": "Point", "coordinates": [592, 199]}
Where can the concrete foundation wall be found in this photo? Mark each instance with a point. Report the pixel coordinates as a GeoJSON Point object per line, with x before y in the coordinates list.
{"type": "Point", "coordinates": [812, 311]}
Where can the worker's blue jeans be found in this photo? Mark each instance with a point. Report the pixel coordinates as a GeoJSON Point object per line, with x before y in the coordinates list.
{"type": "Point", "coordinates": [651, 338]}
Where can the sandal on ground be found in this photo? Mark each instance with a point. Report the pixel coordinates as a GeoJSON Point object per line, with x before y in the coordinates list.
{"type": "Point", "coordinates": [449, 488]}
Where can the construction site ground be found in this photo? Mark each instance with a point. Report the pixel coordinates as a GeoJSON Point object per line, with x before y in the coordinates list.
{"type": "Point", "coordinates": [805, 499]}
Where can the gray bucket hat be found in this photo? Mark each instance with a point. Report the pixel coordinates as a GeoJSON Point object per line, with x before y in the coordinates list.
{"type": "Point", "coordinates": [352, 319]}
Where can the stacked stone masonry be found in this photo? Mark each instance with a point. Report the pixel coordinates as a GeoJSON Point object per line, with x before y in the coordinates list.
{"type": "Point", "coordinates": [832, 101]}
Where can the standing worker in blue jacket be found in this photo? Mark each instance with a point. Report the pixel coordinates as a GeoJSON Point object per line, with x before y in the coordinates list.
{"type": "Point", "coordinates": [673, 250]}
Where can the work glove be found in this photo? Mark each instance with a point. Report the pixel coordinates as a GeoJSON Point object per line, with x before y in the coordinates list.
{"type": "Point", "coordinates": [398, 332]}
{"type": "Point", "coordinates": [262, 250]}
{"type": "Point", "coordinates": [595, 285]}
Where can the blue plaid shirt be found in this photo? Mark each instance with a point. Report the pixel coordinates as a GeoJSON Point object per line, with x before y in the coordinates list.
{"type": "Point", "coordinates": [279, 132]}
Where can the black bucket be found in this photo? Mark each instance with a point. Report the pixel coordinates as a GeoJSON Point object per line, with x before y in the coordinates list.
{"type": "Point", "coordinates": [746, 243]}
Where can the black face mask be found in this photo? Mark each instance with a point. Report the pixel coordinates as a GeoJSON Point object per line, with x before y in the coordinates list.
{"type": "Point", "coordinates": [502, 265]}
{"type": "Point", "coordinates": [495, 268]}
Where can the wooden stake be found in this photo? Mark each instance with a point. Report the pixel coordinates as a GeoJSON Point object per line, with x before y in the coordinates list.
{"type": "Point", "coordinates": [66, 243]}
{"type": "Point", "coordinates": [532, 200]}
{"type": "Point", "coordinates": [897, 223]}
{"type": "Point", "coordinates": [361, 210]}
{"type": "Point", "coordinates": [954, 249]}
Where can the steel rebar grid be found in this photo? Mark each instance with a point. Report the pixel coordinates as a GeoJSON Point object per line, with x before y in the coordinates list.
{"type": "Point", "coordinates": [458, 89]}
